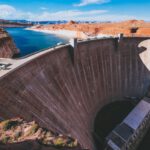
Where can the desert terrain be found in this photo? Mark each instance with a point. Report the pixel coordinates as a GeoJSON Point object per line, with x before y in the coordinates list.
{"type": "Point", "coordinates": [85, 30]}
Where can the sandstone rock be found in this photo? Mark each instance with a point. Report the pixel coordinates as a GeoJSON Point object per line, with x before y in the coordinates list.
{"type": "Point", "coordinates": [17, 130]}
{"type": "Point", "coordinates": [71, 22]}
{"type": "Point", "coordinates": [7, 47]}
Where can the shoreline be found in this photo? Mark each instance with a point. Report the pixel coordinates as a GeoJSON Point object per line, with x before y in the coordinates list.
{"type": "Point", "coordinates": [64, 33]}
{"type": "Point", "coordinates": [70, 34]}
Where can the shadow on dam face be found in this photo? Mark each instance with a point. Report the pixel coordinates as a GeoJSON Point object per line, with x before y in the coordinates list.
{"type": "Point", "coordinates": [108, 118]}
{"type": "Point", "coordinates": [64, 91]}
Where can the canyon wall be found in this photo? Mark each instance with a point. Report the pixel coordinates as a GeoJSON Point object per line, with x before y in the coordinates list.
{"type": "Point", "coordinates": [7, 46]}
{"type": "Point", "coordinates": [65, 88]}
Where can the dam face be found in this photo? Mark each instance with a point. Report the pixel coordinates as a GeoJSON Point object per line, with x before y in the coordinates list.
{"type": "Point", "coordinates": [64, 89]}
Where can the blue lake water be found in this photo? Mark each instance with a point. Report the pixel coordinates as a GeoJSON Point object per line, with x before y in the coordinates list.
{"type": "Point", "coordinates": [30, 41]}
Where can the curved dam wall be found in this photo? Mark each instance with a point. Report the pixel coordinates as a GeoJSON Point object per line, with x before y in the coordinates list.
{"type": "Point", "coordinates": [64, 89]}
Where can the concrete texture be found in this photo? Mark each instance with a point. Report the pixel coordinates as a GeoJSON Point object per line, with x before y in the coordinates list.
{"type": "Point", "coordinates": [63, 89]}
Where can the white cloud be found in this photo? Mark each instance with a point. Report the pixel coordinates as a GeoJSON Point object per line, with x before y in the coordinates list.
{"type": "Point", "coordinates": [107, 17]}
{"type": "Point", "coordinates": [68, 15]}
{"type": "Point", "coordinates": [43, 8]}
{"type": "Point", "coordinates": [87, 2]}
{"type": "Point", "coordinates": [9, 12]}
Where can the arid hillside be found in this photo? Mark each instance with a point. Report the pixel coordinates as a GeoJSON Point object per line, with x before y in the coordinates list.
{"type": "Point", "coordinates": [128, 28]}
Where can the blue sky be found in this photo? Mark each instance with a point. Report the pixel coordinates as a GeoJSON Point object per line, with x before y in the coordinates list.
{"type": "Point", "coordinates": [91, 10]}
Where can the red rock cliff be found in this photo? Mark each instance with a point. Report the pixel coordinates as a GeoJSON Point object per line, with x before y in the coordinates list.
{"type": "Point", "coordinates": [7, 46]}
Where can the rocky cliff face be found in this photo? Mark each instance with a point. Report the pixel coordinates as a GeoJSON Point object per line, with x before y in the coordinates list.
{"type": "Point", "coordinates": [20, 132]}
{"type": "Point", "coordinates": [7, 46]}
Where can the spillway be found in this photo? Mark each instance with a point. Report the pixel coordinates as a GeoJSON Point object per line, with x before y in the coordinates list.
{"type": "Point", "coordinates": [64, 88]}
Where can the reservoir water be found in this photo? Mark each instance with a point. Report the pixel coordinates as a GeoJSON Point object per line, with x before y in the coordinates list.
{"type": "Point", "coordinates": [31, 41]}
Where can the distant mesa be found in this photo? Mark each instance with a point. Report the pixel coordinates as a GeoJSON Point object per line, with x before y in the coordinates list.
{"type": "Point", "coordinates": [11, 23]}
{"type": "Point", "coordinates": [72, 22]}
{"type": "Point", "coordinates": [135, 21]}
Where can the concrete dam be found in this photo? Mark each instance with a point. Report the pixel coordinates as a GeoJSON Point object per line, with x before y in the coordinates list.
{"type": "Point", "coordinates": [66, 89]}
